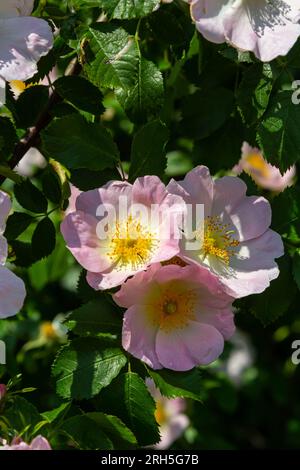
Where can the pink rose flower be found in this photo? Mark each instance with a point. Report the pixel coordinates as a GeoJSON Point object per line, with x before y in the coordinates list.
{"type": "Point", "coordinates": [176, 317]}
{"type": "Point", "coordinates": [169, 415]}
{"type": "Point", "coordinates": [24, 40]}
{"type": "Point", "coordinates": [235, 243]}
{"type": "Point", "coordinates": [131, 242]}
{"type": "Point", "coordinates": [12, 288]}
{"type": "Point", "coordinates": [263, 173]}
{"type": "Point", "coordinates": [267, 28]}
{"type": "Point", "coordinates": [38, 443]}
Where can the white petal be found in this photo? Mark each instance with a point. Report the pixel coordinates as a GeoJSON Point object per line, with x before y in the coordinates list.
{"type": "Point", "coordinates": [23, 41]}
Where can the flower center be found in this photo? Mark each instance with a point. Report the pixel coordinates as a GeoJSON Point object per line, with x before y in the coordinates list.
{"type": "Point", "coordinates": [160, 414]}
{"type": "Point", "coordinates": [173, 309]}
{"type": "Point", "coordinates": [218, 240]}
{"type": "Point", "coordinates": [131, 245]}
{"type": "Point", "coordinates": [257, 163]}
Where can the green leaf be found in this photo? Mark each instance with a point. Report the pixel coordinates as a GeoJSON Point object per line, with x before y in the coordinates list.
{"type": "Point", "coordinates": [178, 384]}
{"type": "Point", "coordinates": [121, 436]}
{"type": "Point", "coordinates": [21, 414]}
{"type": "Point", "coordinates": [30, 105]}
{"type": "Point", "coordinates": [278, 134]}
{"type": "Point", "coordinates": [30, 197]}
{"type": "Point", "coordinates": [148, 156]}
{"type": "Point", "coordinates": [145, 97]}
{"type": "Point", "coordinates": [76, 143]}
{"type": "Point", "coordinates": [8, 137]}
{"type": "Point", "coordinates": [254, 92]}
{"type": "Point", "coordinates": [97, 316]}
{"type": "Point", "coordinates": [85, 179]}
{"type": "Point", "coordinates": [22, 253]}
{"type": "Point", "coordinates": [86, 433]}
{"type": "Point", "coordinates": [52, 187]}
{"type": "Point", "coordinates": [84, 367]}
{"type": "Point", "coordinates": [206, 111]}
{"type": "Point", "coordinates": [53, 416]}
{"type": "Point", "coordinates": [17, 223]}
{"type": "Point", "coordinates": [81, 93]}
{"type": "Point", "coordinates": [114, 61]}
{"type": "Point", "coordinates": [122, 9]}
{"type": "Point", "coordinates": [275, 301]}
{"type": "Point", "coordinates": [43, 239]}
{"type": "Point", "coordinates": [286, 211]}
{"type": "Point", "coordinates": [129, 399]}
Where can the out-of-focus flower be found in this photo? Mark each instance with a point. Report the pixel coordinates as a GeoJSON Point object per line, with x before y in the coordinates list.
{"type": "Point", "coordinates": [263, 173]}
{"type": "Point", "coordinates": [31, 161]}
{"type": "Point", "coordinates": [12, 288]}
{"type": "Point", "coordinates": [23, 41]}
{"type": "Point", "coordinates": [235, 242]}
{"type": "Point", "coordinates": [240, 358]}
{"type": "Point", "coordinates": [177, 317]}
{"type": "Point", "coordinates": [3, 391]}
{"type": "Point", "coordinates": [38, 443]}
{"type": "Point", "coordinates": [169, 415]}
{"type": "Point", "coordinates": [267, 28]}
{"type": "Point", "coordinates": [130, 241]}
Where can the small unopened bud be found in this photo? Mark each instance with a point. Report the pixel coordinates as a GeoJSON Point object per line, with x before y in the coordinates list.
{"type": "Point", "coordinates": [2, 391]}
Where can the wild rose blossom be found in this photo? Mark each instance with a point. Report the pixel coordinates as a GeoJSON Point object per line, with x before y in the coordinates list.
{"type": "Point", "coordinates": [267, 28]}
{"type": "Point", "coordinates": [263, 173]}
{"type": "Point", "coordinates": [131, 243]}
{"type": "Point", "coordinates": [235, 243]}
{"type": "Point", "coordinates": [38, 443]}
{"type": "Point", "coordinates": [176, 317]}
{"type": "Point", "coordinates": [23, 41]}
{"type": "Point", "coordinates": [169, 415]}
{"type": "Point", "coordinates": [12, 289]}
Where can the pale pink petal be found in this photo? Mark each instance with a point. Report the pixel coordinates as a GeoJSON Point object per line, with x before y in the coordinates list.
{"type": "Point", "coordinates": [148, 190]}
{"type": "Point", "coordinates": [183, 349]}
{"type": "Point", "coordinates": [23, 41]}
{"type": "Point", "coordinates": [228, 192]}
{"type": "Point", "coordinates": [110, 194]}
{"type": "Point", "coordinates": [251, 217]}
{"type": "Point", "coordinates": [269, 29]}
{"type": "Point", "coordinates": [172, 430]}
{"type": "Point", "coordinates": [12, 293]}
{"type": "Point", "coordinates": [222, 320]}
{"type": "Point", "coordinates": [208, 16]}
{"type": "Point", "coordinates": [248, 256]}
{"type": "Point", "coordinates": [13, 8]}
{"type": "Point", "coordinates": [40, 443]}
{"type": "Point", "coordinates": [107, 279]}
{"type": "Point", "coordinates": [138, 336]}
{"type": "Point", "coordinates": [241, 284]}
{"type": "Point", "coordinates": [133, 291]}
{"type": "Point", "coordinates": [5, 207]}
{"type": "Point", "coordinates": [196, 188]}
{"type": "Point", "coordinates": [3, 249]}
{"type": "Point", "coordinates": [79, 232]}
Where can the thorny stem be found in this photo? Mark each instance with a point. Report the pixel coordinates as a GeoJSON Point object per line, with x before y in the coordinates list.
{"type": "Point", "coordinates": [32, 136]}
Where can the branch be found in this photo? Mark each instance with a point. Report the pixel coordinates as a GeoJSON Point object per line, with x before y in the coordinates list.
{"type": "Point", "coordinates": [32, 136]}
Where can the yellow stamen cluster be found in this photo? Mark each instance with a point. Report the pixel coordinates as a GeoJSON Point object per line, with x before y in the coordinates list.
{"type": "Point", "coordinates": [131, 245]}
{"type": "Point", "coordinates": [218, 239]}
{"type": "Point", "coordinates": [48, 331]}
{"type": "Point", "coordinates": [160, 413]}
{"type": "Point", "coordinates": [174, 307]}
{"type": "Point", "coordinates": [257, 163]}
